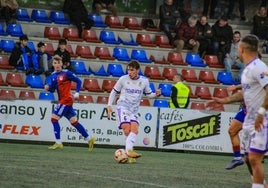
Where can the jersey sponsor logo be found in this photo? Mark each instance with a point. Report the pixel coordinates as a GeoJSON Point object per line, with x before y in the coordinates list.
{"type": "Point", "coordinates": [133, 91]}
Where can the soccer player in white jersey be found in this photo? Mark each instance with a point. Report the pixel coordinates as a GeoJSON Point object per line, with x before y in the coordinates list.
{"type": "Point", "coordinates": [255, 93]}
{"type": "Point", "coordinates": [131, 88]}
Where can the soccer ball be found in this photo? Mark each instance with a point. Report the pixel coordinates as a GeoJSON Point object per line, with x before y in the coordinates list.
{"type": "Point", "coordinates": [120, 156]}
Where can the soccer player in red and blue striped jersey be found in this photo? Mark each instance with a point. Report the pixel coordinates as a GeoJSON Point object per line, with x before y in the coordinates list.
{"type": "Point", "coordinates": [60, 80]}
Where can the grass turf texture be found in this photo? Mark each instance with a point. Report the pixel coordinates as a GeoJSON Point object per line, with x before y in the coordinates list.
{"type": "Point", "coordinates": [27, 165]}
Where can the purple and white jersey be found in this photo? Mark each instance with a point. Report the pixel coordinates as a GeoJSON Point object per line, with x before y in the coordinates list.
{"type": "Point", "coordinates": [253, 80]}
{"type": "Point", "coordinates": [131, 91]}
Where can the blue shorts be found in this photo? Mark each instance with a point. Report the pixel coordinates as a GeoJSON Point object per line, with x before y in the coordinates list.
{"type": "Point", "coordinates": [240, 116]}
{"type": "Point", "coordinates": [63, 110]}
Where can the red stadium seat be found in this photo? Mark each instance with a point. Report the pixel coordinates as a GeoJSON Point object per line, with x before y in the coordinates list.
{"type": "Point", "coordinates": [220, 92]}
{"type": "Point", "coordinates": [189, 75]}
{"type": "Point", "coordinates": [149, 27]}
{"type": "Point", "coordinates": [145, 102]}
{"type": "Point", "coordinates": [2, 82]}
{"type": "Point", "coordinates": [162, 41]}
{"type": "Point", "coordinates": [71, 34]}
{"type": "Point", "coordinates": [73, 87]}
{"type": "Point", "coordinates": [4, 63]}
{"type": "Point", "coordinates": [159, 61]}
{"type": "Point", "coordinates": [198, 106]}
{"type": "Point", "coordinates": [90, 36]}
{"type": "Point", "coordinates": [92, 85]}
{"type": "Point", "coordinates": [212, 61]}
{"type": "Point", "coordinates": [102, 99]}
{"type": "Point", "coordinates": [153, 72]}
{"type": "Point", "coordinates": [85, 99]}
{"type": "Point", "coordinates": [169, 73]}
{"type": "Point", "coordinates": [26, 95]}
{"type": "Point", "coordinates": [52, 33]}
{"type": "Point", "coordinates": [176, 58]}
{"type": "Point", "coordinates": [70, 50]}
{"type": "Point", "coordinates": [103, 53]}
{"type": "Point", "coordinates": [107, 85]}
{"type": "Point", "coordinates": [207, 77]}
{"type": "Point", "coordinates": [203, 92]}
{"type": "Point", "coordinates": [7, 94]}
{"type": "Point", "coordinates": [192, 95]}
{"type": "Point", "coordinates": [145, 40]}
{"type": "Point", "coordinates": [15, 80]}
{"type": "Point", "coordinates": [131, 23]}
{"type": "Point", "coordinates": [84, 51]}
{"type": "Point", "coordinates": [114, 22]}
{"type": "Point", "coordinates": [49, 48]}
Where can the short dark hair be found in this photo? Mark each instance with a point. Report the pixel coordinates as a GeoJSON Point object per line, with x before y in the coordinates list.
{"type": "Point", "coordinates": [179, 76]}
{"type": "Point", "coordinates": [237, 32]}
{"type": "Point", "coordinates": [134, 64]}
{"type": "Point", "coordinates": [40, 44]}
{"type": "Point", "coordinates": [224, 18]}
{"type": "Point", "coordinates": [251, 42]}
{"type": "Point", "coordinates": [62, 42]}
{"type": "Point", "coordinates": [23, 37]}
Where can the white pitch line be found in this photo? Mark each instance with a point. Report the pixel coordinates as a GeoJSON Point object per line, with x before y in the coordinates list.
{"type": "Point", "coordinates": [118, 179]}
{"type": "Point", "coordinates": [103, 177]}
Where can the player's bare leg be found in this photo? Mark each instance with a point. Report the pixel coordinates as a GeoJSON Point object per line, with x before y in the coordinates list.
{"type": "Point", "coordinates": [233, 131]}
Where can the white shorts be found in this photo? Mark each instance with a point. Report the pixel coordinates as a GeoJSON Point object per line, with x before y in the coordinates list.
{"type": "Point", "coordinates": [253, 141]}
{"type": "Point", "coordinates": [247, 132]}
{"type": "Point", "coordinates": [125, 116]}
{"type": "Point", "coordinates": [259, 141]}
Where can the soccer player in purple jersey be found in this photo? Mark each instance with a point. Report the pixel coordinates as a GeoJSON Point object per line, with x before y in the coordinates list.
{"type": "Point", "coordinates": [131, 88]}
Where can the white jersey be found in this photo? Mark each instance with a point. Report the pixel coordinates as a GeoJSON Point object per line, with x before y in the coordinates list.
{"type": "Point", "coordinates": [131, 91]}
{"type": "Point", "coordinates": [253, 80]}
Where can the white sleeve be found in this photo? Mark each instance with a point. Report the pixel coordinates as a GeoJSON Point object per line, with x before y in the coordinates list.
{"type": "Point", "coordinates": [111, 97]}
{"type": "Point", "coordinates": [151, 95]}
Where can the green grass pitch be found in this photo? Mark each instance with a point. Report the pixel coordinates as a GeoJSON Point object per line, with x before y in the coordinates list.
{"type": "Point", "coordinates": [33, 165]}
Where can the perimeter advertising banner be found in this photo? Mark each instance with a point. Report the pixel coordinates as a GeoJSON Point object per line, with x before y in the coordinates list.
{"type": "Point", "coordinates": [30, 120]}
{"type": "Point", "coordinates": [194, 130]}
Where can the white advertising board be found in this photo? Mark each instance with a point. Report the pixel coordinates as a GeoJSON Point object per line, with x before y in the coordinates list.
{"type": "Point", "coordinates": [30, 120]}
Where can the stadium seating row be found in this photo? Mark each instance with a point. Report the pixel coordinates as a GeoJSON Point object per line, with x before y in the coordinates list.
{"type": "Point", "coordinates": [8, 94]}
{"type": "Point", "coordinates": [92, 85]}
{"type": "Point", "coordinates": [58, 17]}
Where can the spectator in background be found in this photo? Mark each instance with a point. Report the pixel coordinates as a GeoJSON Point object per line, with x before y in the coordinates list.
{"type": "Point", "coordinates": [169, 17]}
{"type": "Point", "coordinates": [8, 10]}
{"type": "Point", "coordinates": [78, 14]}
{"type": "Point", "coordinates": [180, 6]}
{"type": "Point", "coordinates": [241, 9]}
{"type": "Point", "coordinates": [209, 8]}
{"type": "Point", "coordinates": [204, 36]}
{"type": "Point", "coordinates": [263, 3]}
{"type": "Point", "coordinates": [180, 93]}
{"type": "Point", "coordinates": [260, 24]}
{"type": "Point", "coordinates": [222, 34]}
{"type": "Point", "coordinates": [232, 59]}
{"type": "Point", "coordinates": [64, 54]}
{"type": "Point", "coordinates": [98, 5]}
{"type": "Point", "coordinates": [187, 35]}
{"type": "Point", "coordinates": [42, 59]}
{"type": "Point", "coordinates": [21, 56]}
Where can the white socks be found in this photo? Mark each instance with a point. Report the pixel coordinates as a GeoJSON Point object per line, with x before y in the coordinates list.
{"type": "Point", "coordinates": [254, 185]}
{"type": "Point", "coordinates": [130, 141]}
